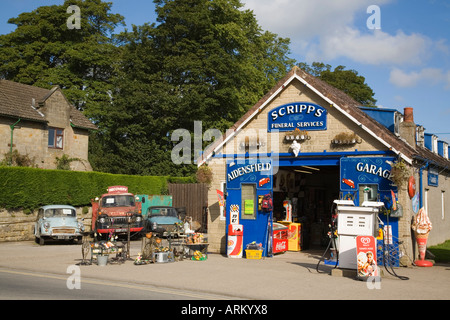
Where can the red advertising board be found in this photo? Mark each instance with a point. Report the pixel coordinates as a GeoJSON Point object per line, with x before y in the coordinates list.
{"type": "Point", "coordinates": [280, 238]}
{"type": "Point", "coordinates": [366, 255]}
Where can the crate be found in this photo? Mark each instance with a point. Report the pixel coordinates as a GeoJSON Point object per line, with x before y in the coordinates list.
{"type": "Point", "coordinates": [253, 254]}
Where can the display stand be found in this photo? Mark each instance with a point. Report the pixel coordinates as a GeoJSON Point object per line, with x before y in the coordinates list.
{"type": "Point", "coordinates": [108, 248]}
{"type": "Point", "coordinates": [193, 247]}
{"type": "Point", "coordinates": [179, 248]}
{"type": "Point", "coordinates": [198, 246]}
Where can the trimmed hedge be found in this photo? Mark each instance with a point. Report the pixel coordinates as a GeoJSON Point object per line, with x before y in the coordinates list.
{"type": "Point", "coordinates": [30, 188]}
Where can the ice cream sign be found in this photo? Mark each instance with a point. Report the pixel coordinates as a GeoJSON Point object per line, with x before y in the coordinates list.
{"type": "Point", "coordinates": [301, 115]}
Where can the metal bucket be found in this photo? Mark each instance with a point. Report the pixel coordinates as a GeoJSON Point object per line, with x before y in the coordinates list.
{"type": "Point", "coordinates": [162, 257]}
{"type": "Point", "coordinates": [102, 260]}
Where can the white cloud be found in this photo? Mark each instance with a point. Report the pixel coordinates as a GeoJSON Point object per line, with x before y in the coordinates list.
{"type": "Point", "coordinates": [325, 30]}
{"type": "Point", "coordinates": [376, 47]}
{"type": "Point", "coordinates": [432, 76]}
{"type": "Point", "coordinates": [307, 19]}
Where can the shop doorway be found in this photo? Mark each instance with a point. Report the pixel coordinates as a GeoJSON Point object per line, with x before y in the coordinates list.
{"type": "Point", "coordinates": [311, 191]}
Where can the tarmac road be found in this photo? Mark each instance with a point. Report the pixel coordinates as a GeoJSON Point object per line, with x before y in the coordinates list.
{"type": "Point", "coordinates": [287, 276]}
{"type": "Point", "coordinates": [29, 285]}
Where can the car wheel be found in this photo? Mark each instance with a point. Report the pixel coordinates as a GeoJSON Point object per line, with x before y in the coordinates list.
{"type": "Point", "coordinates": [41, 241]}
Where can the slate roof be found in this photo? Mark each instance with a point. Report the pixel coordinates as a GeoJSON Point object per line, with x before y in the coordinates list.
{"type": "Point", "coordinates": [348, 106]}
{"type": "Point", "coordinates": [16, 101]}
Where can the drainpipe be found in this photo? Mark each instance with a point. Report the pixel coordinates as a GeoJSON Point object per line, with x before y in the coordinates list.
{"type": "Point", "coordinates": [12, 134]}
{"type": "Point", "coordinates": [421, 184]}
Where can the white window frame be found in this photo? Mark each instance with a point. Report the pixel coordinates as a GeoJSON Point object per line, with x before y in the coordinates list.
{"type": "Point", "coordinates": [222, 209]}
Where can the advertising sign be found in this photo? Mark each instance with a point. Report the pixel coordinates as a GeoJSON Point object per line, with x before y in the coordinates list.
{"type": "Point", "coordinates": [301, 115]}
{"type": "Point", "coordinates": [433, 177]}
{"type": "Point", "coordinates": [234, 214]}
{"type": "Point", "coordinates": [366, 170]}
{"type": "Point", "coordinates": [258, 171]}
{"type": "Point", "coordinates": [366, 257]}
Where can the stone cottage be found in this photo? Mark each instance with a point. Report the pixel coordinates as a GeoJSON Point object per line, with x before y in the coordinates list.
{"type": "Point", "coordinates": [43, 125]}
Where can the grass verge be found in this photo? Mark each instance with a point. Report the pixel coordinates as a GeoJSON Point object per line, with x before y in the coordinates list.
{"type": "Point", "coordinates": [441, 251]}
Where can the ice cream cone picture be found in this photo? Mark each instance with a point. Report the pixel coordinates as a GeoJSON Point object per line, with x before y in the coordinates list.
{"type": "Point", "coordinates": [422, 226]}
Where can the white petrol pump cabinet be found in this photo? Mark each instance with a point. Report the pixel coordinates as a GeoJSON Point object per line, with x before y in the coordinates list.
{"type": "Point", "coordinates": [352, 222]}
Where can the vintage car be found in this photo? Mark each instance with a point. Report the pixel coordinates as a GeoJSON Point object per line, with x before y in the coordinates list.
{"type": "Point", "coordinates": [57, 222]}
{"type": "Point", "coordinates": [163, 220]}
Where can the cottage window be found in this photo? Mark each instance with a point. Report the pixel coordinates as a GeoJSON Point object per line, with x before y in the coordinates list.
{"type": "Point", "coordinates": [55, 138]}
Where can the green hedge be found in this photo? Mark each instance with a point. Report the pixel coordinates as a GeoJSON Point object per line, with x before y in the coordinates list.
{"type": "Point", "coordinates": [30, 188]}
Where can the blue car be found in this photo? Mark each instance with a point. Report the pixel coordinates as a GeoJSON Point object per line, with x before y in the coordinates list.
{"type": "Point", "coordinates": [57, 222]}
{"type": "Point", "coordinates": [162, 220]}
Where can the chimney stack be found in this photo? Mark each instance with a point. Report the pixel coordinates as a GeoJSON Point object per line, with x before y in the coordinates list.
{"type": "Point", "coordinates": [408, 115]}
{"type": "Point", "coordinates": [407, 128]}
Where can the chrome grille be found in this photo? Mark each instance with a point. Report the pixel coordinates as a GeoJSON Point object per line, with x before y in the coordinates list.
{"type": "Point", "coordinates": [115, 221]}
{"type": "Point", "coordinates": [64, 231]}
{"type": "Point", "coordinates": [168, 227]}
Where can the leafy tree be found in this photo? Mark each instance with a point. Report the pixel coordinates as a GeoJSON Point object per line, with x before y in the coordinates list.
{"type": "Point", "coordinates": [43, 51]}
{"type": "Point", "coordinates": [205, 60]}
{"type": "Point", "coordinates": [346, 80]}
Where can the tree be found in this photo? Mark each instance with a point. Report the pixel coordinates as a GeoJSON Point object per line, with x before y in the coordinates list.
{"type": "Point", "coordinates": [347, 81]}
{"type": "Point", "coordinates": [205, 60]}
{"type": "Point", "coordinates": [43, 51]}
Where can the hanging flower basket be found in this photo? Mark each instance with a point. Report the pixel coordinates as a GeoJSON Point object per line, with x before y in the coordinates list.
{"type": "Point", "coordinates": [399, 173]}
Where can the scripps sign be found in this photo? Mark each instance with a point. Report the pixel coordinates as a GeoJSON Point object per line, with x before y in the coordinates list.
{"type": "Point", "coordinates": [302, 115]}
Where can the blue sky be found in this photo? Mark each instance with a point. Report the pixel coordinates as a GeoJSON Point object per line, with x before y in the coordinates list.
{"type": "Point", "coordinates": [406, 62]}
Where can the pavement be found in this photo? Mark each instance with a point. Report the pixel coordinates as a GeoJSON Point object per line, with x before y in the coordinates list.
{"type": "Point", "coordinates": [286, 276]}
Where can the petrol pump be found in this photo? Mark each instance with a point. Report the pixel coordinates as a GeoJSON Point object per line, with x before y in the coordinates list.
{"type": "Point", "coordinates": [352, 222]}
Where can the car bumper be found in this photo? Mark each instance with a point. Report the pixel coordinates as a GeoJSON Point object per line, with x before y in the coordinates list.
{"type": "Point", "coordinates": [119, 230]}
{"type": "Point", "coordinates": [62, 236]}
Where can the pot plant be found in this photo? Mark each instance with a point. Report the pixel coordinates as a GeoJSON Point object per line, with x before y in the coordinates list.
{"type": "Point", "coordinates": [346, 138]}
{"type": "Point", "coordinates": [204, 175]}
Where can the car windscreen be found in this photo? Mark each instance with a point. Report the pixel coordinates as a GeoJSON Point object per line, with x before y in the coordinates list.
{"type": "Point", "coordinates": [60, 212]}
{"type": "Point", "coordinates": [118, 201]}
{"type": "Point", "coordinates": [164, 212]}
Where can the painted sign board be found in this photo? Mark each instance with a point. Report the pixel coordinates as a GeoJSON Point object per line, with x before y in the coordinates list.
{"type": "Point", "coordinates": [366, 170]}
{"type": "Point", "coordinates": [301, 115]}
{"type": "Point", "coordinates": [257, 171]}
{"type": "Point", "coordinates": [366, 256]}
{"type": "Point", "coordinates": [433, 177]}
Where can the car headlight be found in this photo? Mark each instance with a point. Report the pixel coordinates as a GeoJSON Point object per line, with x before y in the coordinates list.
{"type": "Point", "coordinates": [81, 226]}
{"type": "Point", "coordinates": [138, 218]}
{"type": "Point", "coordinates": [46, 225]}
{"type": "Point", "coordinates": [154, 225]}
{"type": "Point", "coordinates": [102, 220]}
